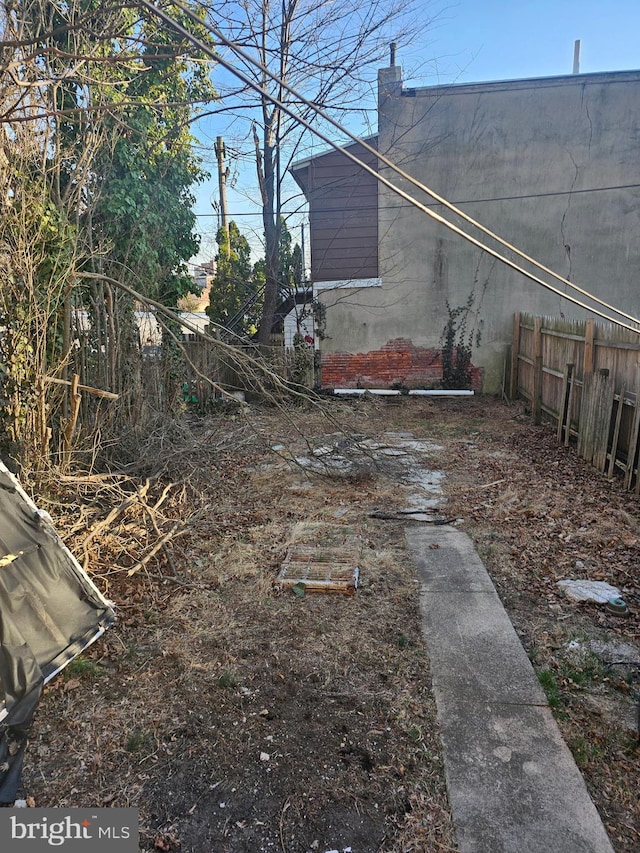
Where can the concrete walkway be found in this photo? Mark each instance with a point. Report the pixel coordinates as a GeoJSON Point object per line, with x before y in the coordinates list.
{"type": "Point", "coordinates": [513, 784]}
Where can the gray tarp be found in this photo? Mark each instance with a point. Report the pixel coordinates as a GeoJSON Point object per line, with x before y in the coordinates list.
{"type": "Point", "coordinates": [49, 612]}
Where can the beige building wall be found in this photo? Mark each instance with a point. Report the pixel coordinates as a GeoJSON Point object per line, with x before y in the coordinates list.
{"type": "Point", "coordinates": [550, 164]}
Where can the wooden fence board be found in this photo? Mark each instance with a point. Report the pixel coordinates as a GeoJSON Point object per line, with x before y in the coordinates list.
{"type": "Point", "coordinates": [564, 402]}
{"type": "Point", "coordinates": [585, 433]}
{"type": "Point", "coordinates": [603, 411]}
{"type": "Point", "coordinates": [572, 391]}
{"type": "Point", "coordinates": [585, 402]}
{"type": "Point", "coordinates": [633, 444]}
{"type": "Point", "coordinates": [616, 434]}
{"type": "Point", "coordinates": [536, 406]}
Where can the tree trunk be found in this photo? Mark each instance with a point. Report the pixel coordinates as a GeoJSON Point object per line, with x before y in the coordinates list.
{"type": "Point", "coordinates": [271, 224]}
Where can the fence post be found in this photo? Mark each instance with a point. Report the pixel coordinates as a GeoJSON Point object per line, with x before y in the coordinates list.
{"type": "Point", "coordinates": [515, 352]}
{"type": "Point", "coordinates": [75, 399]}
{"type": "Point", "coordinates": [588, 348]}
{"type": "Point", "coordinates": [537, 371]}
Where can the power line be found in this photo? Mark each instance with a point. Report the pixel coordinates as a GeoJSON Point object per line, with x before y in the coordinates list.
{"type": "Point", "coordinates": [381, 157]}
{"type": "Point", "coordinates": [319, 111]}
{"type": "Point", "coordinates": [463, 201]}
{"type": "Point", "coordinates": [256, 214]}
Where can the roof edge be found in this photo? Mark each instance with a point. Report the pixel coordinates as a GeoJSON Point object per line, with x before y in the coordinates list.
{"type": "Point", "coordinates": [300, 164]}
{"type": "Point", "coordinates": [526, 82]}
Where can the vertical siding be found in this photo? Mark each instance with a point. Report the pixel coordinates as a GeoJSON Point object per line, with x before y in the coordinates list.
{"type": "Point", "coordinates": [343, 215]}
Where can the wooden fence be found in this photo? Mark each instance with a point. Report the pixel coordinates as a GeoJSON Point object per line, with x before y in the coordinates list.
{"type": "Point", "coordinates": [586, 377]}
{"type": "Point", "coordinates": [232, 372]}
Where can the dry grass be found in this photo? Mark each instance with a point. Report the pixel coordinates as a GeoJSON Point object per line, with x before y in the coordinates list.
{"type": "Point", "coordinates": [210, 665]}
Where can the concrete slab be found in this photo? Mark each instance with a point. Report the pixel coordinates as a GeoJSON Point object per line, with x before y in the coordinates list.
{"type": "Point", "coordinates": [447, 561]}
{"type": "Point", "coordinates": [513, 784]}
{"type": "Point", "coordinates": [475, 652]}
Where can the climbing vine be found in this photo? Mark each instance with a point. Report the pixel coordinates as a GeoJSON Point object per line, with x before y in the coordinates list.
{"type": "Point", "coordinates": [320, 318]}
{"type": "Point", "coordinates": [301, 368]}
{"type": "Point", "coordinates": [457, 344]}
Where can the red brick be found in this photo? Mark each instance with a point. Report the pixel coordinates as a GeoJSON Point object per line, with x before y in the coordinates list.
{"type": "Point", "coordinates": [398, 362]}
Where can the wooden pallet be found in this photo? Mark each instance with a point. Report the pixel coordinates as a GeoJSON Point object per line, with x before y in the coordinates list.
{"type": "Point", "coordinates": [326, 560]}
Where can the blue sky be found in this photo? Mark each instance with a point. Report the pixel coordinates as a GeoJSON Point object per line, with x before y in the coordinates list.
{"type": "Point", "coordinates": [469, 41]}
{"type": "Point", "coordinates": [496, 40]}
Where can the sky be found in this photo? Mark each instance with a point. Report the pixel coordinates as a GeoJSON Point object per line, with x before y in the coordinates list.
{"type": "Point", "coordinates": [468, 41]}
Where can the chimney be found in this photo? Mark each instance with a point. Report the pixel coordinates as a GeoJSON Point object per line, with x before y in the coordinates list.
{"type": "Point", "coordinates": [389, 79]}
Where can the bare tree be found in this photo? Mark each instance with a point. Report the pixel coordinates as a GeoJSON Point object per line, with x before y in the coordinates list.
{"type": "Point", "coordinates": [325, 50]}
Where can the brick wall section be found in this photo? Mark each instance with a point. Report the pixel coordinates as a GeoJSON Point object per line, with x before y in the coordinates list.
{"type": "Point", "coordinates": [398, 362]}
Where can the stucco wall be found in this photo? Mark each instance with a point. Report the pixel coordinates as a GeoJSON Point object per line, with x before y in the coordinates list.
{"type": "Point", "coordinates": [552, 165]}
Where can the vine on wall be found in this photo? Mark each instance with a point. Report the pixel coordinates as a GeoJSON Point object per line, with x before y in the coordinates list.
{"type": "Point", "coordinates": [457, 345]}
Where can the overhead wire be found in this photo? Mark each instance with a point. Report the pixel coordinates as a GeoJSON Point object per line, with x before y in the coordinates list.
{"type": "Point", "coordinates": [551, 194]}
{"type": "Point", "coordinates": [246, 57]}
{"type": "Point", "coordinates": [405, 175]}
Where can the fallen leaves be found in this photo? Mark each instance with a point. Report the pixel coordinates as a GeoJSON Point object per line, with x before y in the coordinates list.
{"type": "Point", "coordinates": [538, 531]}
{"type": "Point", "coordinates": [314, 673]}
{"type": "Point", "coordinates": [166, 842]}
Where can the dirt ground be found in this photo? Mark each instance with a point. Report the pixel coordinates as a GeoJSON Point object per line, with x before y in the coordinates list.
{"type": "Point", "coordinates": [240, 717]}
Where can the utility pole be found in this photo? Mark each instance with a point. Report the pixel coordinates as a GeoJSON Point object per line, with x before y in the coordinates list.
{"type": "Point", "coordinates": [223, 174]}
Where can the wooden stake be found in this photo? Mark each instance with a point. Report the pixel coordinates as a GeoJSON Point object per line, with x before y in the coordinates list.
{"type": "Point", "coordinates": [75, 399]}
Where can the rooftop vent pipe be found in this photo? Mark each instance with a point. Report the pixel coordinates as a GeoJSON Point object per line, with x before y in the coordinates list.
{"type": "Point", "coordinates": [393, 46]}
{"type": "Point", "coordinates": [576, 56]}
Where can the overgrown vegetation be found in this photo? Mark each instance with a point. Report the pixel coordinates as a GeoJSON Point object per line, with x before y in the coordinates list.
{"type": "Point", "coordinates": [209, 665]}
{"type": "Point", "coordinates": [237, 290]}
{"type": "Point", "coordinates": [97, 166]}
{"type": "Point", "coordinates": [219, 688]}
{"type": "Point", "coordinates": [96, 170]}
